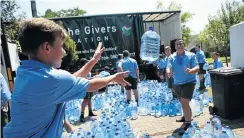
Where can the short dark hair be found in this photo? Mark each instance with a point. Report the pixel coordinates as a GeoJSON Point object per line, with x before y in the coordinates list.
{"type": "Point", "coordinates": [215, 53]}
{"type": "Point", "coordinates": [167, 47]}
{"type": "Point", "coordinates": [180, 39]}
{"type": "Point", "coordinates": [161, 55]}
{"type": "Point", "coordinates": [198, 46]}
{"type": "Point", "coordinates": [83, 61]}
{"type": "Point", "coordinates": [107, 68]}
{"type": "Point", "coordinates": [34, 32]}
{"type": "Point", "coordinates": [126, 53]}
{"type": "Point", "coordinates": [120, 56]}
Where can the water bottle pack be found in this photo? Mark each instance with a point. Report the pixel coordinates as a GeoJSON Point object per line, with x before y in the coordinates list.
{"type": "Point", "coordinates": [73, 110]}
{"type": "Point", "coordinates": [150, 46]}
{"type": "Point", "coordinates": [155, 99]}
{"type": "Point", "coordinates": [212, 129]}
{"type": "Point", "coordinates": [115, 111]}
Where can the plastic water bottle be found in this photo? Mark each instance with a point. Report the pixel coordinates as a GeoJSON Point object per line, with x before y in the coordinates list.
{"type": "Point", "coordinates": [186, 135]}
{"type": "Point", "coordinates": [229, 132]}
{"type": "Point", "coordinates": [134, 111]}
{"type": "Point", "coordinates": [150, 45]}
{"type": "Point", "coordinates": [205, 99]}
{"type": "Point", "coordinates": [197, 134]}
{"type": "Point", "coordinates": [178, 107]}
{"type": "Point", "coordinates": [224, 135]}
{"type": "Point", "coordinates": [164, 109]}
{"type": "Point", "coordinates": [172, 109]}
{"type": "Point", "coordinates": [157, 110]}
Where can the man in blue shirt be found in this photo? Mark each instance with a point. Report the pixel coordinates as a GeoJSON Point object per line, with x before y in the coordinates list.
{"type": "Point", "coordinates": [129, 64]}
{"type": "Point", "coordinates": [169, 80]}
{"type": "Point", "coordinates": [5, 98]}
{"type": "Point", "coordinates": [201, 61]}
{"type": "Point", "coordinates": [217, 62]}
{"type": "Point", "coordinates": [184, 66]}
{"type": "Point", "coordinates": [41, 90]}
{"type": "Point", "coordinates": [161, 65]}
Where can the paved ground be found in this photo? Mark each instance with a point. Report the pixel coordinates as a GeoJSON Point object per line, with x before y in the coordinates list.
{"type": "Point", "coordinates": [165, 126]}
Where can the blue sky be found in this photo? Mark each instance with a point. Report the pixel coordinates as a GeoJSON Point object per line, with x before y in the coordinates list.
{"type": "Point", "coordinates": [201, 8]}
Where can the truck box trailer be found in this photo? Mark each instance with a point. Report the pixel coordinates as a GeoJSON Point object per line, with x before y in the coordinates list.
{"type": "Point", "coordinates": [120, 32]}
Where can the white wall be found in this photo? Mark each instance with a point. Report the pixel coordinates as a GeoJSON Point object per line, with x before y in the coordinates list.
{"type": "Point", "coordinates": [3, 67]}
{"type": "Point", "coordinates": [237, 45]}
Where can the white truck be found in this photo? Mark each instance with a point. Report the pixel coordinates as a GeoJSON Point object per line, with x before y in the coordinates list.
{"type": "Point", "coordinates": [120, 32]}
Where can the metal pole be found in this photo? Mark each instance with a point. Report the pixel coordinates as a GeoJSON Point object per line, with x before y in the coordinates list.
{"type": "Point", "coordinates": [33, 8]}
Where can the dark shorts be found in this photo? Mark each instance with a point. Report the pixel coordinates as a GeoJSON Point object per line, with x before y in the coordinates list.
{"type": "Point", "coordinates": [161, 73]}
{"type": "Point", "coordinates": [185, 90]}
{"type": "Point", "coordinates": [88, 95]}
{"type": "Point", "coordinates": [201, 70]}
{"type": "Point", "coordinates": [133, 82]}
{"type": "Point", "coordinates": [170, 82]}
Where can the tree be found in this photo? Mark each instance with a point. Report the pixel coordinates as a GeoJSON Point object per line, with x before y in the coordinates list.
{"type": "Point", "coordinates": [185, 17]}
{"type": "Point", "coordinates": [64, 13]}
{"type": "Point", "coordinates": [217, 31]}
{"type": "Point", "coordinates": [10, 20]}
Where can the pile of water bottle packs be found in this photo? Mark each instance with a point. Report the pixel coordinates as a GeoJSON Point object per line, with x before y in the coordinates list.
{"type": "Point", "coordinates": [212, 129]}
{"type": "Point", "coordinates": [157, 99]}
{"type": "Point", "coordinates": [112, 123]}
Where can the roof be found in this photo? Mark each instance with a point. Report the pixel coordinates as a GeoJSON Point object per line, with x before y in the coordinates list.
{"type": "Point", "coordinates": [147, 16]}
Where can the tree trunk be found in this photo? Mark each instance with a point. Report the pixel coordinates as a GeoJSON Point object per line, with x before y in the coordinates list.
{"type": "Point", "coordinates": [226, 59]}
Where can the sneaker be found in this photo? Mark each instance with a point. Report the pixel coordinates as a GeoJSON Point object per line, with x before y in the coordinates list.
{"type": "Point", "coordinates": [182, 119]}
{"type": "Point", "coordinates": [182, 130]}
{"type": "Point", "coordinates": [82, 119]}
{"type": "Point", "coordinates": [91, 113]}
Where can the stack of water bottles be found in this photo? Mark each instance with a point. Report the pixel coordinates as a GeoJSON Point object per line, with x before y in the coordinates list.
{"type": "Point", "coordinates": [156, 99]}
{"type": "Point", "coordinates": [212, 129]}
{"type": "Point", "coordinates": [115, 111]}
{"type": "Point", "coordinates": [73, 110]}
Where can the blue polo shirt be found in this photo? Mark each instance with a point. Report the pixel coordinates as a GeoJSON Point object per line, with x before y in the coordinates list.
{"type": "Point", "coordinates": [104, 74]}
{"type": "Point", "coordinates": [200, 56]}
{"type": "Point", "coordinates": [177, 63]}
{"type": "Point", "coordinates": [89, 75]}
{"type": "Point", "coordinates": [38, 107]}
{"type": "Point", "coordinates": [4, 89]}
{"type": "Point", "coordinates": [217, 63]}
{"type": "Point", "coordinates": [129, 64]}
{"type": "Point", "coordinates": [161, 63]}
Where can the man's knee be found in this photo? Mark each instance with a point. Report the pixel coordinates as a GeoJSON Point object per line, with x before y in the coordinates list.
{"type": "Point", "coordinates": [185, 102]}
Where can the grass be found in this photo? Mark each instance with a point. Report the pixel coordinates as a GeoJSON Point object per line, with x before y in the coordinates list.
{"type": "Point", "coordinates": [210, 60]}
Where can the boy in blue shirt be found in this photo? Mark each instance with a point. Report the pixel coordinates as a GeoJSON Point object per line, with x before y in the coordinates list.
{"type": "Point", "coordinates": [87, 98]}
{"type": "Point", "coordinates": [201, 61]}
{"type": "Point", "coordinates": [130, 65]}
{"type": "Point", "coordinates": [217, 62]}
{"type": "Point", "coordinates": [184, 66]}
{"type": "Point", "coordinates": [41, 90]}
{"type": "Point", "coordinates": [160, 69]}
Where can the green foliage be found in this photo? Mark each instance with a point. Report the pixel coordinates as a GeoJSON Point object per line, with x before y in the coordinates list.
{"type": "Point", "coordinates": [216, 34]}
{"type": "Point", "coordinates": [70, 57]}
{"type": "Point", "coordinates": [64, 13]}
{"type": "Point", "coordinates": [10, 20]}
{"type": "Point", "coordinates": [185, 17]}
